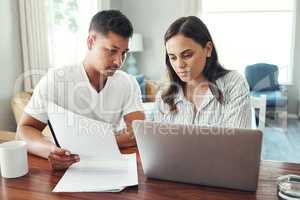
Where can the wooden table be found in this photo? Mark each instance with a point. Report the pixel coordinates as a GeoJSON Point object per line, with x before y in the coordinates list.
{"type": "Point", "coordinates": [40, 181]}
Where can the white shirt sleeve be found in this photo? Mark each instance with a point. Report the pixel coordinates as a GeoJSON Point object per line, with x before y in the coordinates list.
{"type": "Point", "coordinates": [238, 107]}
{"type": "Point", "coordinates": [133, 100]}
{"type": "Point", "coordinates": [37, 106]}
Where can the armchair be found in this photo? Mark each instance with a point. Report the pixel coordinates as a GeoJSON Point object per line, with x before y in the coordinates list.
{"type": "Point", "coordinates": [263, 80]}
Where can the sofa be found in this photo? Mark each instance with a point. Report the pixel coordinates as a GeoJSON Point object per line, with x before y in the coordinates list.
{"type": "Point", "coordinates": [18, 104]}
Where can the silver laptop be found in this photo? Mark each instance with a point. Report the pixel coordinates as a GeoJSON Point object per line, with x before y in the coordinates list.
{"type": "Point", "coordinates": [220, 157]}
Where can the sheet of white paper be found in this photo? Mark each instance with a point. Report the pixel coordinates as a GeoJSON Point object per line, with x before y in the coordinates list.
{"type": "Point", "coordinates": [82, 135]}
{"type": "Point", "coordinates": [96, 175]}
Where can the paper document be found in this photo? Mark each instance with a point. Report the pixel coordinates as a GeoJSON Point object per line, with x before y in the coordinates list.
{"type": "Point", "coordinates": [102, 168]}
{"type": "Point", "coordinates": [100, 175]}
{"type": "Point", "coordinates": [82, 135]}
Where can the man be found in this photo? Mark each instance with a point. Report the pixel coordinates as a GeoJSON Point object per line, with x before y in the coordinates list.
{"type": "Point", "coordinates": [94, 88]}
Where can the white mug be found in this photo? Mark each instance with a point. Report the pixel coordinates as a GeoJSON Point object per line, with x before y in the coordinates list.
{"type": "Point", "coordinates": [13, 159]}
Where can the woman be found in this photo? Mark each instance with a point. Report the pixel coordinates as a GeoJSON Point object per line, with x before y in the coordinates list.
{"type": "Point", "coordinates": [201, 91]}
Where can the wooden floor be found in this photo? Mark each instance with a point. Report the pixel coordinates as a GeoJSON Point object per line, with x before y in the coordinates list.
{"type": "Point", "coordinates": [282, 144]}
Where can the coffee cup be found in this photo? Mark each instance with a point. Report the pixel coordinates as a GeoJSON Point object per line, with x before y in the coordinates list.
{"type": "Point", "coordinates": [13, 159]}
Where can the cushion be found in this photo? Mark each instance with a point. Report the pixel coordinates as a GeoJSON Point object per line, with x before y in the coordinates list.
{"type": "Point", "coordinates": [141, 81]}
{"type": "Point", "coordinates": [274, 98]}
{"type": "Point", "coordinates": [152, 87]}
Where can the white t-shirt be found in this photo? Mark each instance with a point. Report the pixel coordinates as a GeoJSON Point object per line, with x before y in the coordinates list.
{"type": "Point", "coordinates": [69, 87]}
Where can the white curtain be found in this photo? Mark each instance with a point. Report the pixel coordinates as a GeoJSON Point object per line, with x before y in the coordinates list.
{"type": "Point", "coordinates": [38, 54]}
{"type": "Point", "coordinates": [34, 37]}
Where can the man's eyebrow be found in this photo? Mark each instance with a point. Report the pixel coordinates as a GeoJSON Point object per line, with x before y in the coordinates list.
{"type": "Point", "coordinates": [116, 47]}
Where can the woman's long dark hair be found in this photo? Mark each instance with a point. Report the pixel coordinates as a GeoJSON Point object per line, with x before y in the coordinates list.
{"type": "Point", "coordinates": [192, 27]}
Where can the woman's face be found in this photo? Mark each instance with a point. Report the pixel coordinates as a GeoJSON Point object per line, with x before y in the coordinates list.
{"type": "Point", "coordinates": [187, 57]}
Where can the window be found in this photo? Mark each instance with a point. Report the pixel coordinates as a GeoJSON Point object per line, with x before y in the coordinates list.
{"type": "Point", "coordinates": [68, 29]}
{"type": "Point", "coordinates": [252, 31]}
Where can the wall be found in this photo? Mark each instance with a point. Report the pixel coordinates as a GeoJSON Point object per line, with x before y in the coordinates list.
{"type": "Point", "coordinates": [151, 19]}
{"type": "Point", "coordinates": [10, 60]}
{"type": "Point", "coordinates": [116, 4]}
{"type": "Point", "coordinates": [294, 89]}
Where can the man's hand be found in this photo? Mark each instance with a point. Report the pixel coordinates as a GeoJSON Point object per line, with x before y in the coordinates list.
{"type": "Point", "coordinates": [125, 138]}
{"type": "Point", "coordinates": [61, 159]}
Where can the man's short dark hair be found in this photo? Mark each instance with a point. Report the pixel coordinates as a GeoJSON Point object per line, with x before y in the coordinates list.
{"type": "Point", "coordinates": [111, 20]}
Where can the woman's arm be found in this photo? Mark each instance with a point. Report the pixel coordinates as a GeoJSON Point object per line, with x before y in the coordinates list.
{"type": "Point", "coordinates": [237, 112]}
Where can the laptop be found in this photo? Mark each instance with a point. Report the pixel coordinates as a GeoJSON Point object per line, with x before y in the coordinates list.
{"type": "Point", "coordinates": [219, 157]}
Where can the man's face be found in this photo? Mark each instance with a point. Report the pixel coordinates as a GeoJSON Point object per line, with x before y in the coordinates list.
{"type": "Point", "coordinates": [107, 52]}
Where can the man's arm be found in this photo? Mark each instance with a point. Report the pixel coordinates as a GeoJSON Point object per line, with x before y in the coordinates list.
{"type": "Point", "coordinates": [30, 130]}
{"type": "Point", "coordinates": [125, 138]}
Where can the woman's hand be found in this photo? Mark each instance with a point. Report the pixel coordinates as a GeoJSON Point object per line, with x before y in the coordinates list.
{"type": "Point", "coordinates": [61, 159]}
